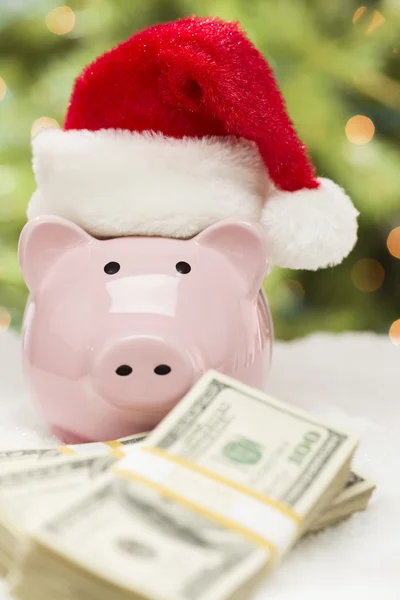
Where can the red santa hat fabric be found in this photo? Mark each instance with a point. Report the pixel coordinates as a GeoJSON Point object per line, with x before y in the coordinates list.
{"type": "Point", "coordinates": [179, 127]}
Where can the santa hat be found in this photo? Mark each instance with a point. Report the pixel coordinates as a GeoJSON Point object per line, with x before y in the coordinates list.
{"type": "Point", "coordinates": [179, 127]}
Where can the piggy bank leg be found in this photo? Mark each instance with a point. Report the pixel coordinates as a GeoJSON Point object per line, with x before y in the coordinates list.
{"type": "Point", "coordinates": [66, 436]}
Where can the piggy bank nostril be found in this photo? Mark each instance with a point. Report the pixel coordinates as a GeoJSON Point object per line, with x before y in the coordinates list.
{"type": "Point", "coordinates": [183, 267]}
{"type": "Point", "coordinates": [111, 268]}
{"type": "Point", "coordinates": [124, 370]}
{"type": "Point", "coordinates": [162, 370]}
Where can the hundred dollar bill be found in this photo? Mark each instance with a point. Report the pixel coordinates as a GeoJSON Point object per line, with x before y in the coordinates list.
{"type": "Point", "coordinates": [353, 498]}
{"type": "Point", "coordinates": [9, 458]}
{"type": "Point", "coordinates": [217, 493]}
{"type": "Point", "coordinates": [29, 492]}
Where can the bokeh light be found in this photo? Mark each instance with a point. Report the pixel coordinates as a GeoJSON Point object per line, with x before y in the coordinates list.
{"type": "Point", "coordinates": [376, 21]}
{"type": "Point", "coordinates": [359, 129]}
{"type": "Point", "coordinates": [393, 242]}
{"type": "Point", "coordinates": [295, 288]}
{"type": "Point", "coordinates": [43, 123]}
{"type": "Point", "coordinates": [61, 20]}
{"type": "Point", "coordinates": [394, 332]}
{"type": "Point", "coordinates": [5, 319]}
{"type": "Point", "coordinates": [290, 295]}
{"type": "Point", "coordinates": [3, 89]}
{"type": "Point", "coordinates": [367, 275]}
{"type": "Point", "coordinates": [51, 42]}
{"type": "Point", "coordinates": [359, 13]}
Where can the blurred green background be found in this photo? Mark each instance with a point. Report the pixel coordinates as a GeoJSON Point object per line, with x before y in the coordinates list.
{"type": "Point", "coordinates": [338, 64]}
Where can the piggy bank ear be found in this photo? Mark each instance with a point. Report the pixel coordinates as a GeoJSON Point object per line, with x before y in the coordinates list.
{"type": "Point", "coordinates": [41, 244]}
{"type": "Point", "coordinates": [244, 244]}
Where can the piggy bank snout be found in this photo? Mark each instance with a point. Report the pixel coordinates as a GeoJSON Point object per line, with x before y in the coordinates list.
{"type": "Point", "coordinates": [142, 373]}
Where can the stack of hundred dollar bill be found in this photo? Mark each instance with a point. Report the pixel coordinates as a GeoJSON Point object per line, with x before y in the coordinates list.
{"type": "Point", "coordinates": [201, 508]}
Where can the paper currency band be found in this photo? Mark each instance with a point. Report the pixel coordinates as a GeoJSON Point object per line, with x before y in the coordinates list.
{"type": "Point", "coordinates": [117, 446]}
{"type": "Point", "coordinates": [113, 447]}
{"type": "Point", "coordinates": [267, 522]}
{"type": "Point", "coordinates": [66, 450]}
{"type": "Point", "coordinates": [198, 508]}
{"type": "Point", "coordinates": [280, 506]}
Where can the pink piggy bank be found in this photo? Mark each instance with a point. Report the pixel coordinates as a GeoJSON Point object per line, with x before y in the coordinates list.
{"type": "Point", "coordinates": [116, 331]}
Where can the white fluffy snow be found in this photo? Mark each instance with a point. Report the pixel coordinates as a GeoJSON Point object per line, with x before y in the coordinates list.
{"type": "Point", "coordinates": [351, 379]}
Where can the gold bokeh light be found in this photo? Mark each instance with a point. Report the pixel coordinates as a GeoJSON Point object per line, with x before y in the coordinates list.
{"type": "Point", "coordinates": [3, 89]}
{"type": "Point", "coordinates": [393, 242]}
{"type": "Point", "coordinates": [43, 123]}
{"type": "Point", "coordinates": [367, 275]}
{"type": "Point", "coordinates": [376, 21]}
{"type": "Point", "coordinates": [359, 129]}
{"type": "Point", "coordinates": [359, 13]}
{"type": "Point", "coordinates": [394, 332]}
{"type": "Point", "coordinates": [5, 319]}
{"type": "Point", "coordinates": [61, 20]}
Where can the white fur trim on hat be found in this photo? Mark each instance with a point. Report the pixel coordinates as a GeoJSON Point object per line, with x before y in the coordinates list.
{"type": "Point", "coordinates": [115, 182]}
{"type": "Point", "coordinates": [310, 229]}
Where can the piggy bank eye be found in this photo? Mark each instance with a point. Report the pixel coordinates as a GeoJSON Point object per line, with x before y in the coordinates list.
{"type": "Point", "coordinates": [111, 268]}
{"type": "Point", "coordinates": [183, 267]}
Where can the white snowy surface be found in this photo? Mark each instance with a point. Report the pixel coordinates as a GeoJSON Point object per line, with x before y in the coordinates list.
{"type": "Point", "coordinates": [351, 379]}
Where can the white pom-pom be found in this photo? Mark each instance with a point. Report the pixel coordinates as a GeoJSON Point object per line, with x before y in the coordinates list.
{"type": "Point", "coordinates": [310, 229]}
